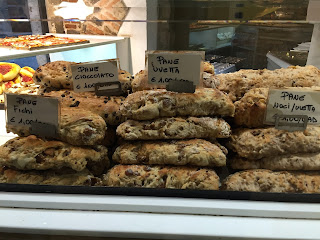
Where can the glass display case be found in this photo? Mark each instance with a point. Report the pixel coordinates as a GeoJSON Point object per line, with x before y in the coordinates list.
{"type": "Point", "coordinates": [154, 161]}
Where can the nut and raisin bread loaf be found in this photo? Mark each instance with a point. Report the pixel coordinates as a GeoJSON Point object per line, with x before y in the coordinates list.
{"type": "Point", "coordinates": [175, 128]}
{"type": "Point", "coordinates": [161, 177]}
{"type": "Point", "coordinates": [267, 142]}
{"type": "Point", "coordinates": [238, 83]}
{"type": "Point", "coordinates": [196, 152]}
{"type": "Point", "coordinates": [261, 180]}
{"type": "Point", "coordinates": [289, 162]}
{"type": "Point", "coordinates": [148, 105]}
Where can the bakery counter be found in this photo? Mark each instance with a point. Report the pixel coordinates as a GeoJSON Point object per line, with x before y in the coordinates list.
{"type": "Point", "coordinates": [156, 218]}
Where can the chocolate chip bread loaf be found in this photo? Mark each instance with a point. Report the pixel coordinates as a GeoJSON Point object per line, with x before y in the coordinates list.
{"type": "Point", "coordinates": [238, 83]}
{"type": "Point", "coordinates": [56, 74]}
{"type": "Point", "coordinates": [77, 127]}
{"type": "Point", "coordinates": [267, 142]}
{"type": "Point", "coordinates": [267, 181]}
{"type": "Point", "coordinates": [174, 128]}
{"type": "Point", "coordinates": [161, 177]}
{"type": "Point", "coordinates": [32, 153]}
{"type": "Point", "coordinates": [48, 177]}
{"type": "Point", "coordinates": [195, 152]}
{"type": "Point", "coordinates": [106, 107]}
{"type": "Point", "coordinates": [147, 105]}
{"type": "Point", "coordinates": [125, 79]}
{"type": "Point", "coordinates": [289, 162]}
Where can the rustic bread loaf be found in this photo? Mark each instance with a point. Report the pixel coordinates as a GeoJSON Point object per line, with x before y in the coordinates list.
{"type": "Point", "coordinates": [174, 128]}
{"type": "Point", "coordinates": [261, 180]}
{"type": "Point", "coordinates": [48, 177]}
{"type": "Point", "coordinates": [267, 142]}
{"type": "Point", "coordinates": [195, 152]}
{"type": "Point", "coordinates": [106, 107]}
{"type": "Point", "coordinates": [32, 153]}
{"type": "Point", "coordinates": [161, 177]}
{"type": "Point", "coordinates": [77, 127]}
{"type": "Point", "coordinates": [289, 162]}
{"type": "Point", "coordinates": [238, 83]}
{"type": "Point", "coordinates": [147, 105]}
{"type": "Point", "coordinates": [56, 74]}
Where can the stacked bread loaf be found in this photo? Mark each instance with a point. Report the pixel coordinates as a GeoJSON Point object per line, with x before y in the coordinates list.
{"type": "Point", "coordinates": [165, 140]}
{"type": "Point", "coordinates": [86, 128]}
{"type": "Point", "coordinates": [262, 151]}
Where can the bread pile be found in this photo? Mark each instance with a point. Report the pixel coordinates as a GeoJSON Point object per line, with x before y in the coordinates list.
{"type": "Point", "coordinates": [167, 139]}
{"type": "Point", "coordinates": [170, 140]}
{"type": "Point", "coordinates": [263, 150]}
{"type": "Point", "coordinates": [79, 151]}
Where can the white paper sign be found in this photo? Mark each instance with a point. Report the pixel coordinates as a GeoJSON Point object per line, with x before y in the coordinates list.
{"type": "Point", "coordinates": [291, 103]}
{"type": "Point", "coordinates": [23, 110]}
{"type": "Point", "coordinates": [86, 75]}
{"type": "Point", "coordinates": [180, 66]}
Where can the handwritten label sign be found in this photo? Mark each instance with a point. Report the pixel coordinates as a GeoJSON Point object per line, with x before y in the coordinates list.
{"type": "Point", "coordinates": [292, 105]}
{"type": "Point", "coordinates": [86, 75]}
{"type": "Point", "coordinates": [164, 67]}
{"type": "Point", "coordinates": [26, 110]}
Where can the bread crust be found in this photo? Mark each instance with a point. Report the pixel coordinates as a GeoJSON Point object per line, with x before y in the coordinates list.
{"type": "Point", "coordinates": [261, 180]}
{"type": "Point", "coordinates": [147, 105]}
{"type": "Point", "coordinates": [266, 142]}
{"type": "Point", "coordinates": [48, 177]}
{"type": "Point", "coordinates": [289, 162]}
{"type": "Point", "coordinates": [196, 152]}
{"type": "Point", "coordinates": [250, 109]}
{"type": "Point", "coordinates": [32, 153]}
{"type": "Point", "coordinates": [238, 83]}
{"type": "Point", "coordinates": [125, 78]}
{"type": "Point", "coordinates": [56, 74]}
{"type": "Point", "coordinates": [174, 128]}
{"type": "Point", "coordinates": [106, 107]}
{"type": "Point", "coordinates": [161, 177]}
{"type": "Point", "coordinates": [77, 127]}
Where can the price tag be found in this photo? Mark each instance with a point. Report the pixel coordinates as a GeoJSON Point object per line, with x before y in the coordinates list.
{"type": "Point", "coordinates": [27, 111]}
{"type": "Point", "coordinates": [86, 75]}
{"type": "Point", "coordinates": [292, 107]}
{"type": "Point", "coordinates": [184, 66]}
